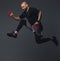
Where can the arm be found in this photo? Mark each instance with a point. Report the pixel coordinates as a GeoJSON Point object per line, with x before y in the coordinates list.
{"type": "Point", "coordinates": [39, 15]}
{"type": "Point", "coordinates": [39, 18]}
{"type": "Point", "coordinates": [17, 18]}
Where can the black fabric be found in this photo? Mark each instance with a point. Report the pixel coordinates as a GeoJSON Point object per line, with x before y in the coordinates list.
{"type": "Point", "coordinates": [40, 29]}
{"type": "Point", "coordinates": [23, 22]}
{"type": "Point", "coordinates": [20, 25]}
{"type": "Point", "coordinates": [39, 39]}
{"type": "Point", "coordinates": [31, 15]}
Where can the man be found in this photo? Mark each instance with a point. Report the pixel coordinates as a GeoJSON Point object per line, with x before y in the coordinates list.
{"type": "Point", "coordinates": [34, 18]}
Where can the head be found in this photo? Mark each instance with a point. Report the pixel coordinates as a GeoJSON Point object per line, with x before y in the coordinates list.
{"type": "Point", "coordinates": [24, 5]}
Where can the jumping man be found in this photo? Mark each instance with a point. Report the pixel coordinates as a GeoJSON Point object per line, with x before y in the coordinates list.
{"type": "Point", "coordinates": [33, 16]}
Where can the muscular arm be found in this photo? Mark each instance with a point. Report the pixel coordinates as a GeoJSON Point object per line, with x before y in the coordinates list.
{"type": "Point", "coordinates": [39, 15]}
{"type": "Point", "coordinates": [17, 18]}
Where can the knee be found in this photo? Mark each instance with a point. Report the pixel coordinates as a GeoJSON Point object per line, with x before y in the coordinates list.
{"type": "Point", "coordinates": [23, 21]}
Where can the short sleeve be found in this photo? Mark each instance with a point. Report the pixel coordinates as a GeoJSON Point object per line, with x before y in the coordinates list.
{"type": "Point", "coordinates": [22, 15]}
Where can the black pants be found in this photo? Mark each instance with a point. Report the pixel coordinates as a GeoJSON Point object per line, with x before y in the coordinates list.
{"type": "Point", "coordinates": [38, 37]}
{"type": "Point", "coordinates": [37, 34]}
{"type": "Point", "coordinates": [21, 24]}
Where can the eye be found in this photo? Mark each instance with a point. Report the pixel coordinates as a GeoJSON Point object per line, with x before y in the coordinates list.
{"type": "Point", "coordinates": [23, 6]}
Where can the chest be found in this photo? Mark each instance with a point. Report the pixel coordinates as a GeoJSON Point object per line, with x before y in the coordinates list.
{"type": "Point", "coordinates": [31, 13]}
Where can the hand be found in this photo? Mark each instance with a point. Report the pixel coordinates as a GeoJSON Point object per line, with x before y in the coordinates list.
{"type": "Point", "coordinates": [10, 13]}
{"type": "Point", "coordinates": [36, 25]}
{"type": "Point", "coordinates": [36, 22]}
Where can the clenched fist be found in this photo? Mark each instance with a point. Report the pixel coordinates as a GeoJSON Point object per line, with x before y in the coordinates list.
{"type": "Point", "coordinates": [10, 13]}
{"type": "Point", "coordinates": [36, 25]}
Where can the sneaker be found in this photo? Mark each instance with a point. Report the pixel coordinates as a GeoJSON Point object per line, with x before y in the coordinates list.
{"type": "Point", "coordinates": [14, 35]}
{"type": "Point", "coordinates": [55, 41]}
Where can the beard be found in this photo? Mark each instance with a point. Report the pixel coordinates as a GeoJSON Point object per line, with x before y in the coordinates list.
{"type": "Point", "coordinates": [26, 9]}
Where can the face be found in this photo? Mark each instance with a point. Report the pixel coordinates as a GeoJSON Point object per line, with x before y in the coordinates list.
{"type": "Point", "coordinates": [24, 5]}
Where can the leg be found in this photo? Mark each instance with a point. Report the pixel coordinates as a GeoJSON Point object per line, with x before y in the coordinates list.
{"type": "Point", "coordinates": [20, 25]}
{"type": "Point", "coordinates": [37, 33]}
{"type": "Point", "coordinates": [39, 29]}
{"type": "Point", "coordinates": [39, 39]}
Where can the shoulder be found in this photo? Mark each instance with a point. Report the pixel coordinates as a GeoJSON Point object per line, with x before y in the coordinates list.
{"type": "Point", "coordinates": [34, 8]}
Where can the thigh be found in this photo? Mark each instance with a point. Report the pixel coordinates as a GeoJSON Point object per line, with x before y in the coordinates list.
{"type": "Point", "coordinates": [40, 26]}
{"type": "Point", "coordinates": [39, 29]}
{"type": "Point", "coordinates": [22, 22]}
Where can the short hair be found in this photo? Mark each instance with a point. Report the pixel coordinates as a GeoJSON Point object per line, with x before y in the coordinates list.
{"type": "Point", "coordinates": [24, 2]}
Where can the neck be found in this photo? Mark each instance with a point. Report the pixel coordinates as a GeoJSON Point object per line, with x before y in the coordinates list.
{"type": "Point", "coordinates": [27, 9]}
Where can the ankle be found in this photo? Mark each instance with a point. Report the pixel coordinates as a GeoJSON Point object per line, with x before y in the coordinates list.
{"type": "Point", "coordinates": [16, 32]}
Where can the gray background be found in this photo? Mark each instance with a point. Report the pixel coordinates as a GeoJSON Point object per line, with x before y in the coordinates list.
{"type": "Point", "coordinates": [24, 47]}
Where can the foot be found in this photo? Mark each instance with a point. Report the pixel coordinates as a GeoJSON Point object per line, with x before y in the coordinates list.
{"type": "Point", "coordinates": [14, 35]}
{"type": "Point", "coordinates": [55, 41]}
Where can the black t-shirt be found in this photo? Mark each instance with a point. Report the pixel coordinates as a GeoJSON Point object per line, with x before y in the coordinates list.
{"type": "Point", "coordinates": [31, 15]}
